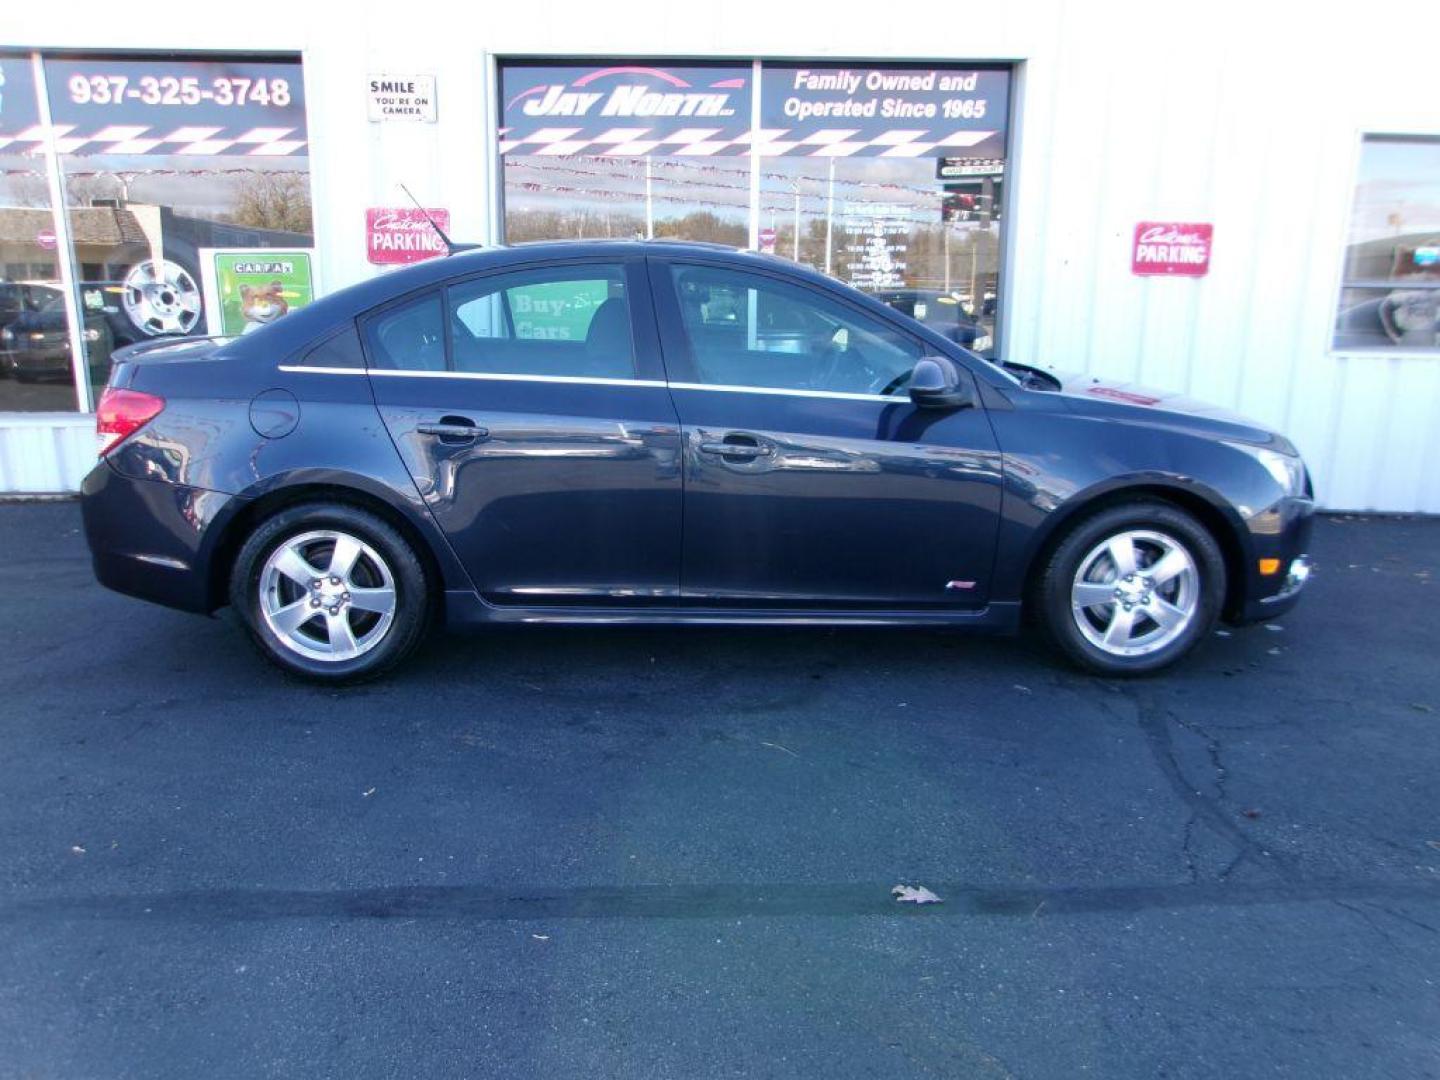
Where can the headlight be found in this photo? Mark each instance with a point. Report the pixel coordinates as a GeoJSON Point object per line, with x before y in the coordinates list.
{"type": "Point", "coordinates": [7, 334]}
{"type": "Point", "coordinates": [1287, 470]}
{"type": "Point", "coordinates": [37, 335]}
{"type": "Point", "coordinates": [92, 335]}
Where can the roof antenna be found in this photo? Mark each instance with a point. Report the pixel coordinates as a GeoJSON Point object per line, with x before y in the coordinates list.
{"type": "Point", "coordinates": [450, 246]}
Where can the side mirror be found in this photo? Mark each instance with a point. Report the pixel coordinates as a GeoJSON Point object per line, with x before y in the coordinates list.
{"type": "Point", "coordinates": [938, 383]}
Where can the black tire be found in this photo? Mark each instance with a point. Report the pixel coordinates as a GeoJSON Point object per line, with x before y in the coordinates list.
{"type": "Point", "coordinates": [412, 594]}
{"type": "Point", "coordinates": [1053, 592]}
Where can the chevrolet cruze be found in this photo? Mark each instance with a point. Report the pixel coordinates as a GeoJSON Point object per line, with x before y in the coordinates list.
{"type": "Point", "coordinates": [670, 433]}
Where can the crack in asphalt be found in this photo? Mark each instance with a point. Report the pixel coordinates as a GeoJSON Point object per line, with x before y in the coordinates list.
{"type": "Point", "coordinates": [1156, 724]}
{"type": "Point", "coordinates": [515, 903]}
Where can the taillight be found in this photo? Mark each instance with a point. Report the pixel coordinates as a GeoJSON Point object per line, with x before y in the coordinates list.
{"type": "Point", "coordinates": [121, 413]}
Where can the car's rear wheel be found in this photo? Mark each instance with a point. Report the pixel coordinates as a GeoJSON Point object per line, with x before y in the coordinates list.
{"type": "Point", "coordinates": [331, 592]}
{"type": "Point", "coordinates": [1132, 588]}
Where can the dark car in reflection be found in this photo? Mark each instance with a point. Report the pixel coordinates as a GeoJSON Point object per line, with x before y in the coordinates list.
{"type": "Point", "coordinates": [36, 344]}
{"type": "Point", "coordinates": [944, 312]}
{"type": "Point", "coordinates": [629, 433]}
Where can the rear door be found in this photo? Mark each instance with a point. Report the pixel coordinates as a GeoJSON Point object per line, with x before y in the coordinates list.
{"type": "Point", "coordinates": [811, 480]}
{"type": "Point", "coordinates": [529, 405]}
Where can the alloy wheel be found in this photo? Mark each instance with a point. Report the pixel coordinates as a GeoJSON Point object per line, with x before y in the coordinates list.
{"type": "Point", "coordinates": [1135, 592]}
{"type": "Point", "coordinates": [327, 595]}
{"type": "Point", "coordinates": [161, 297]}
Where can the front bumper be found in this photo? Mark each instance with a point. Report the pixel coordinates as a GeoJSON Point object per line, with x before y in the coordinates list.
{"type": "Point", "coordinates": [40, 361]}
{"type": "Point", "coordinates": [150, 538]}
{"type": "Point", "coordinates": [1281, 535]}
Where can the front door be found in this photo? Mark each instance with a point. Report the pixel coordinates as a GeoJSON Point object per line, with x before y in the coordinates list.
{"type": "Point", "coordinates": [530, 407]}
{"type": "Point", "coordinates": [810, 477]}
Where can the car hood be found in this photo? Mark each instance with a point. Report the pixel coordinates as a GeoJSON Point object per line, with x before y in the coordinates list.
{"type": "Point", "coordinates": [1114, 399]}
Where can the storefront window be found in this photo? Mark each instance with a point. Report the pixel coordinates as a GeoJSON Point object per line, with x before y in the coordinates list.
{"type": "Point", "coordinates": [33, 325]}
{"type": "Point", "coordinates": [187, 194]}
{"type": "Point", "coordinates": [626, 151]}
{"type": "Point", "coordinates": [1390, 292]}
{"type": "Point", "coordinates": [888, 178]}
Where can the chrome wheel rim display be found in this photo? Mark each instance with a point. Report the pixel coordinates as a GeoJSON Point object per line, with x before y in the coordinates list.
{"type": "Point", "coordinates": [161, 297]}
{"type": "Point", "coordinates": [1135, 593]}
{"type": "Point", "coordinates": [327, 595]}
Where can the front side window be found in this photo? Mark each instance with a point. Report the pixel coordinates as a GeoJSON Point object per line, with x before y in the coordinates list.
{"type": "Point", "coordinates": [1390, 293]}
{"type": "Point", "coordinates": [568, 322]}
{"type": "Point", "coordinates": [749, 330]}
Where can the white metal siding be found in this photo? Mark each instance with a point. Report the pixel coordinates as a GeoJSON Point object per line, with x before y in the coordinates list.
{"type": "Point", "coordinates": [45, 453]}
{"type": "Point", "coordinates": [1246, 115]}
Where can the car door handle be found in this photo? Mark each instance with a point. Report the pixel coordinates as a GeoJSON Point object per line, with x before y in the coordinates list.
{"type": "Point", "coordinates": [454, 429]}
{"type": "Point", "coordinates": [739, 450]}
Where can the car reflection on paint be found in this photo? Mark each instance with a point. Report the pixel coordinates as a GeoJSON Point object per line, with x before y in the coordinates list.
{"type": "Point", "coordinates": [947, 313]}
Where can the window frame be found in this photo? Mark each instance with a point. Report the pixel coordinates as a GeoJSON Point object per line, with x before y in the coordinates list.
{"type": "Point", "coordinates": [1358, 137]}
{"type": "Point", "coordinates": [1017, 70]}
{"type": "Point", "coordinates": [644, 330]}
{"type": "Point", "coordinates": [566, 271]}
{"type": "Point", "coordinates": [370, 319]}
{"type": "Point", "coordinates": [679, 351]}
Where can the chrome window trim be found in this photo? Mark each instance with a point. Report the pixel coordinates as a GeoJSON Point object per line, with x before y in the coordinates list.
{"type": "Point", "coordinates": [389, 373]}
{"type": "Point", "coordinates": [488, 376]}
{"type": "Point", "coordinates": [837, 395]}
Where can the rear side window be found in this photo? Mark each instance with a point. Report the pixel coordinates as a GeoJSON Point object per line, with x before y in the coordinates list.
{"type": "Point", "coordinates": [564, 321]}
{"type": "Point", "coordinates": [410, 337]}
{"type": "Point", "coordinates": [339, 350]}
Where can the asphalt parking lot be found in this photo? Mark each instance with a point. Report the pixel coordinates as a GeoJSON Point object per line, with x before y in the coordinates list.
{"type": "Point", "coordinates": [625, 853]}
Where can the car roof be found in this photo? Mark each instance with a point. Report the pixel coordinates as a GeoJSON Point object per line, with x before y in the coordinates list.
{"type": "Point", "coordinates": [316, 322]}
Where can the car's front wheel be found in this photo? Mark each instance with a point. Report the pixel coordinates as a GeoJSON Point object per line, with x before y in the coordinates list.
{"type": "Point", "coordinates": [1132, 588]}
{"type": "Point", "coordinates": [331, 592]}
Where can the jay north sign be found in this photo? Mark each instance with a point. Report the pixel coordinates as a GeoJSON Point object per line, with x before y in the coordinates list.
{"type": "Point", "coordinates": [623, 108]}
{"type": "Point", "coordinates": [634, 109]}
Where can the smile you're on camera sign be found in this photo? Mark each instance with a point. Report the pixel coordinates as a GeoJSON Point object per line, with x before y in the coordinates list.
{"type": "Point", "coordinates": [401, 97]}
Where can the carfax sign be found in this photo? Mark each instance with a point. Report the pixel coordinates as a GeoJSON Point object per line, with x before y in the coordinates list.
{"type": "Point", "coordinates": [248, 289]}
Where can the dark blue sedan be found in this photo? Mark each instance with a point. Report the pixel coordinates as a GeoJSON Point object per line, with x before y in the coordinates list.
{"type": "Point", "coordinates": [669, 433]}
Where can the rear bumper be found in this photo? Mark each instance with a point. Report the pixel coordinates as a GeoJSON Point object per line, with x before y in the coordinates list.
{"type": "Point", "coordinates": [149, 538]}
{"type": "Point", "coordinates": [1281, 533]}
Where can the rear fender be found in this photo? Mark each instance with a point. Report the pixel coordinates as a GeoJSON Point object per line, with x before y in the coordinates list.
{"type": "Point", "coordinates": [407, 513]}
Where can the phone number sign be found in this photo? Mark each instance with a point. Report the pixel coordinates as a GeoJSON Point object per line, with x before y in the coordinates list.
{"type": "Point", "coordinates": [184, 107]}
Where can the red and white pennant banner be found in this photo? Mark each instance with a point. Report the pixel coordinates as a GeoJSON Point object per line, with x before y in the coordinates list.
{"type": "Point", "coordinates": [143, 139]}
{"type": "Point", "coordinates": [768, 142]}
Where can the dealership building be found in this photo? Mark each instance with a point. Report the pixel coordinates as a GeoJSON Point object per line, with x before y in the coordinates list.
{"type": "Point", "coordinates": [1215, 200]}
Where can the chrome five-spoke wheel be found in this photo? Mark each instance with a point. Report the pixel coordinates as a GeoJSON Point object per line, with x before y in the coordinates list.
{"type": "Point", "coordinates": [1135, 592]}
{"type": "Point", "coordinates": [327, 595]}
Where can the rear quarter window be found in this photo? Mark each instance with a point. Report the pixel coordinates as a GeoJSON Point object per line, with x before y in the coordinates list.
{"type": "Point", "coordinates": [339, 350]}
